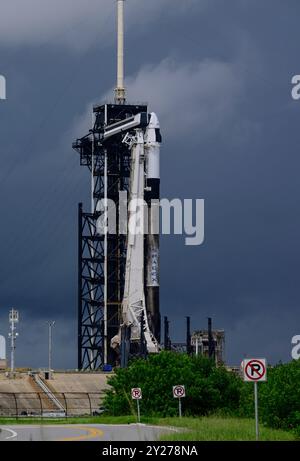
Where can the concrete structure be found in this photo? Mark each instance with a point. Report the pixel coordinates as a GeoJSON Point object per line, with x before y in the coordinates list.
{"type": "Point", "coordinates": [78, 393]}
{"type": "Point", "coordinates": [79, 382]}
{"type": "Point", "coordinates": [17, 395]}
{"type": "Point", "coordinates": [200, 343]}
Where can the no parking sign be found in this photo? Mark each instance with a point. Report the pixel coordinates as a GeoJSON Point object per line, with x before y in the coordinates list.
{"type": "Point", "coordinates": [178, 392]}
{"type": "Point", "coordinates": [255, 370]}
{"type": "Point", "coordinates": [136, 394]}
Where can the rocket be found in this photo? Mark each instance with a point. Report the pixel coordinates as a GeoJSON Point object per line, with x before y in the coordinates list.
{"type": "Point", "coordinates": [153, 141]}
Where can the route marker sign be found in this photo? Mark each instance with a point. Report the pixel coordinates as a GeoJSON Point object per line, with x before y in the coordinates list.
{"type": "Point", "coordinates": [179, 393]}
{"type": "Point", "coordinates": [255, 370]}
{"type": "Point", "coordinates": [136, 393]}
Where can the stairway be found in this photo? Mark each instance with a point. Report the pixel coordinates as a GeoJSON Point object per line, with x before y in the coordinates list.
{"type": "Point", "coordinates": [50, 402]}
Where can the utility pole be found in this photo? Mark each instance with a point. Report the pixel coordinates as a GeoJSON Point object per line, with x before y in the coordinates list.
{"type": "Point", "coordinates": [50, 324]}
{"type": "Point", "coordinates": [13, 319]}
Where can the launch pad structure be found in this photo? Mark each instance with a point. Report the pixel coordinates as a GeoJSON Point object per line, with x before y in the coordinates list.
{"type": "Point", "coordinates": [102, 258]}
{"type": "Point", "coordinates": [118, 274]}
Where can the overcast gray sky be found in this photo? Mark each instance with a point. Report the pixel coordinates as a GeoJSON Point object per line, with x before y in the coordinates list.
{"type": "Point", "coordinates": [218, 73]}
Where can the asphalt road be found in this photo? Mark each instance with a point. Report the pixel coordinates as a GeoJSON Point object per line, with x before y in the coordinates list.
{"type": "Point", "coordinates": [75, 432]}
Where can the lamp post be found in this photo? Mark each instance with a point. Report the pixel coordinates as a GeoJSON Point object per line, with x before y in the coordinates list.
{"type": "Point", "coordinates": [50, 324]}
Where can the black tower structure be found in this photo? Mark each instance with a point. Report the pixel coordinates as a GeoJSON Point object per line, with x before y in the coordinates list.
{"type": "Point", "coordinates": [211, 342]}
{"type": "Point", "coordinates": [188, 336]}
{"type": "Point", "coordinates": [167, 339]}
{"type": "Point", "coordinates": [102, 258]}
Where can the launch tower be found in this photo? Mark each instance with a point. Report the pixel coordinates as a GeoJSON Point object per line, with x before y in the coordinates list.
{"type": "Point", "coordinates": [118, 272]}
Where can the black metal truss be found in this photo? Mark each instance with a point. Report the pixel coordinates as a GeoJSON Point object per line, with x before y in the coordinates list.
{"type": "Point", "coordinates": [91, 257]}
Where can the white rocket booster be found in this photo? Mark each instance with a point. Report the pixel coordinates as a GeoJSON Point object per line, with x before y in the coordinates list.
{"type": "Point", "coordinates": [152, 196]}
{"type": "Point", "coordinates": [141, 291]}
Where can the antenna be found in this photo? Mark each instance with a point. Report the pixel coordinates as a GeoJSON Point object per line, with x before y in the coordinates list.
{"type": "Point", "coordinates": [120, 92]}
{"type": "Point", "coordinates": [13, 319]}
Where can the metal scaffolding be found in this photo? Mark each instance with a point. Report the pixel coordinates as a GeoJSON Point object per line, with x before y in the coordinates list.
{"type": "Point", "coordinates": [102, 257]}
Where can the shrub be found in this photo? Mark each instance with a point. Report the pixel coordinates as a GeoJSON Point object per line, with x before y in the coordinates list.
{"type": "Point", "coordinates": [279, 397]}
{"type": "Point", "coordinates": [208, 389]}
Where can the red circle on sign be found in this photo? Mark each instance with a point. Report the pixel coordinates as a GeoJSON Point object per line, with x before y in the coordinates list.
{"type": "Point", "coordinates": [179, 391]}
{"type": "Point", "coordinates": [136, 393]}
{"type": "Point", "coordinates": [260, 374]}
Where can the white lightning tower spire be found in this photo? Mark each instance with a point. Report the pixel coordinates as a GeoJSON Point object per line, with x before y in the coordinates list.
{"type": "Point", "coordinates": [120, 92]}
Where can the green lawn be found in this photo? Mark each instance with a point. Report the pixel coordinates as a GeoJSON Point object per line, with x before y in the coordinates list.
{"type": "Point", "coordinates": [221, 429]}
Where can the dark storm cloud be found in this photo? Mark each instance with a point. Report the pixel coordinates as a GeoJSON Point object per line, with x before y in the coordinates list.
{"type": "Point", "coordinates": [218, 73]}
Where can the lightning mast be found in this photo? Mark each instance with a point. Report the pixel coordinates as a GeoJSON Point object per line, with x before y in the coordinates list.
{"type": "Point", "coordinates": [120, 92]}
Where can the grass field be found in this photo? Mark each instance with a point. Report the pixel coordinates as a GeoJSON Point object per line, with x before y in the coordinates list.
{"type": "Point", "coordinates": [221, 429]}
{"type": "Point", "coordinates": [211, 428]}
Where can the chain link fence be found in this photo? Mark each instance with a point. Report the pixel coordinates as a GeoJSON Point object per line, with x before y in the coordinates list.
{"type": "Point", "coordinates": [39, 404]}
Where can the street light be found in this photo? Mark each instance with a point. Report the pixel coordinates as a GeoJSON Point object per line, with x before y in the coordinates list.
{"type": "Point", "coordinates": [50, 324]}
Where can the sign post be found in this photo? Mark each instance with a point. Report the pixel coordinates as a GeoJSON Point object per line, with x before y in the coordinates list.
{"type": "Point", "coordinates": [255, 370]}
{"type": "Point", "coordinates": [136, 394]}
{"type": "Point", "coordinates": [179, 393]}
{"type": "Point", "coordinates": [256, 411]}
{"type": "Point", "coordinates": [180, 408]}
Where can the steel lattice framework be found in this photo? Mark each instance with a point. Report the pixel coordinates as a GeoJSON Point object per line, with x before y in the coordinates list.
{"type": "Point", "coordinates": [101, 261]}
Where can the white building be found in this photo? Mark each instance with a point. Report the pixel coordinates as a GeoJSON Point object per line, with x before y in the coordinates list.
{"type": "Point", "coordinates": [2, 352]}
